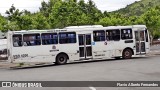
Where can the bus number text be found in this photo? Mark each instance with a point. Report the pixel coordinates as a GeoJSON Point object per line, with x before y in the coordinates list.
{"type": "Point", "coordinates": [20, 56]}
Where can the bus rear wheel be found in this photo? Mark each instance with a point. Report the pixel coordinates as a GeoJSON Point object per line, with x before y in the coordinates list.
{"type": "Point", "coordinates": [127, 54]}
{"type": "Point", "coordinates": [61, 59]}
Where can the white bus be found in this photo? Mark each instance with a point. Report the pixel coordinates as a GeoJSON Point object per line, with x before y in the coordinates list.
{"type": "Point", "coordinates": [78, 43]}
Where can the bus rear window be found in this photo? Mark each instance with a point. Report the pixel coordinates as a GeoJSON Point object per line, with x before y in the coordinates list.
{"type": "Point", "coordinates": [17, 40]}
{"type": "Point", "coordinates": [67, 37]}
{"type": "Point", "coordinates": [31, 39]}
{"type": "Point", "coordinates": [49, 38]}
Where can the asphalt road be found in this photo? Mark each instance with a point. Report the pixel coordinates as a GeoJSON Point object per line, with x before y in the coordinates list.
{"type": "Point", "coordinates": [155, 47]}
{"type": "Point", "coordinates": [136, 69]}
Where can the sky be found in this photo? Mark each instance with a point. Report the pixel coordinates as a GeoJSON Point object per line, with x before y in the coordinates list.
{"type": "Point", "coordinates": [33, 5]}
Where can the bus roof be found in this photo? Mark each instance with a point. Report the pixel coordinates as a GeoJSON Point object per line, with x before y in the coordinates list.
{"type": "Point", "coordinates": [85, 26]}
{"type": "Point", "coordinates": [78, 28]}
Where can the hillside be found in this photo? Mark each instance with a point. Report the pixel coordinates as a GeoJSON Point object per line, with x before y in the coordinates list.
{"type": "Point", "coordinates": [139, 7]}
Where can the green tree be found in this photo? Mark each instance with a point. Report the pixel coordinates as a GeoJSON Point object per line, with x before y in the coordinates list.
{"type": "Point", "coordinates": [3, 22]}
{"type": "Point", "coordinates": [114, 19]}
{"type": "Point", "coordinates": [40, 22]}
{"type": "Point", "coordinates": [13, 13]}
{"type": "Point", "coordinates": [12, 26]}
{"type": "Point", "coordinates": [25, 22]}
{"type": "Point", "coordinates": [62, 13]}
{"type": "Point", "coordinates": [152, 20]}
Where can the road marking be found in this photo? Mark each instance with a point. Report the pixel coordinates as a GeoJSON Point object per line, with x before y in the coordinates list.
{"type": "Point", "coordinates": [92, 88]}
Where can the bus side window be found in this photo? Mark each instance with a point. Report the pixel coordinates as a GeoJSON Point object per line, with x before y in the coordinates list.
{"type": "Point", "coordinates": [17, 40]}
{"type": "Point", "coordinates": [126, 34]}
{"type": "Point", "coordinates": [55, 38]}
{"type": "Point", "coordinates": [72, 37]}
{"type": "Point", "coordinates": [49, 38]}
{"type": "Point", "coordinates": [109, 35]}
{"type": "Point", "coordinates": [31, 39]}
{"type": "Point", "coordinates": [62, 38]}
{"type": "Point", "coordinates": [113, 35]}
{"type": "Point", "coordinates": [99, 35]}
{"type": "Point", "coordinates": [67, 37]}
{"type": "Point", "coordinates": [116, 35]}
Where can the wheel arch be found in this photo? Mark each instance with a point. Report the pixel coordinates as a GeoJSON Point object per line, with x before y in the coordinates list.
{"type": "Point", "coordinates": [130, 49]}
{"type": "Point", "coordinates": [63, 54]}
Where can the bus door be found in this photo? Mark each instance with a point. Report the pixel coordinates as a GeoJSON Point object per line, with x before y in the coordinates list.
{"type": "Point", "coordinates": [140, 42]}
{"type": "Point", "coordinates": [147, 41]}
{"type": "Point", "coordinates": [85, 46]}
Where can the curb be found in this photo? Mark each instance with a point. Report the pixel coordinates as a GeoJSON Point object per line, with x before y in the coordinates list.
{"type": "Point", "coordinates": [4, 64]}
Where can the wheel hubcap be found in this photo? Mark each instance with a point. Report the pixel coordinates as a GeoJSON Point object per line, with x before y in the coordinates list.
{"type": "Point", "coordinates": [127, 53]}
{"type": "Point", "coordinates": [61, 59]}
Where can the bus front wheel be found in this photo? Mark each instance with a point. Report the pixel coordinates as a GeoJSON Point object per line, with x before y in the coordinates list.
{"type": "Point", "coordinates": [127, 54]}
{"type": "Point", "coordinates": [61, 59]}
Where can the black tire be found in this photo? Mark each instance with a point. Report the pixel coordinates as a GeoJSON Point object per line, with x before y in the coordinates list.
{"type": "Point", "coordinates": [117, 58]}
{"type": "Point", "coordinates": [127, 54]}
{"type": "Point", "coordinates": [61, 59]}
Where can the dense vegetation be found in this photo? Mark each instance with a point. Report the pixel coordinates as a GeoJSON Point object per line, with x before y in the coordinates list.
{"type": "Point", "coordinates": [62, 13]}
{"type": "Point", "coordinates": [139, 7]}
